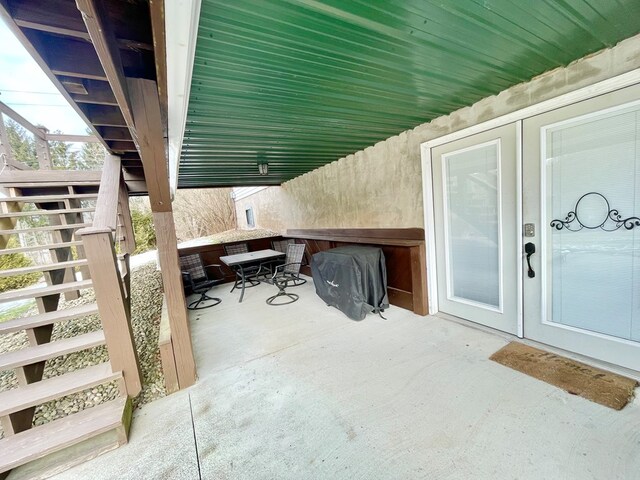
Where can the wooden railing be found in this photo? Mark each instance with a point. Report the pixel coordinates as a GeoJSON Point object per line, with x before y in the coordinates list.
{"type": "Point", "coordinates": [108, 245]}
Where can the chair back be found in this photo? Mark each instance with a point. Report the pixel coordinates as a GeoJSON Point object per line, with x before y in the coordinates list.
{"type": "Point", "coordinates": [192, 264]}
{"type": "Point", "coordinates": [295, 254]}
{"type": "Point", "coordinates": [281, 245]}
{"type": "Point", "coordinates": [236, 248]}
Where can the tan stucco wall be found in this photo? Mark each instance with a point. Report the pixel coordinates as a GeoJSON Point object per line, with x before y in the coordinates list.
{"type": "Point", "coordinates": [381, 186]}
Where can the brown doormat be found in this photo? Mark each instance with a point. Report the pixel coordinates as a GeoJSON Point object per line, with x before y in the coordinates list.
{"type": "Point", "coordinates": [577, 378]}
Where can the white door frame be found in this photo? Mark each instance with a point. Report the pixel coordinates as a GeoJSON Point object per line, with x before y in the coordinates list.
{"type": "Point", "coordinates": [584, 93]}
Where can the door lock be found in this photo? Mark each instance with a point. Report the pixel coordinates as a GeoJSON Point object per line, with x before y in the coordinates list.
{"type": "Point", "coordinates": [529, 229]}
{"type": "Point", "coordinates": [530, 249]}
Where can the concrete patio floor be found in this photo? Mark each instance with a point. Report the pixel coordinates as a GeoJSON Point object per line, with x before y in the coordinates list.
{"type": "Point", "coordinates": [302, 392]}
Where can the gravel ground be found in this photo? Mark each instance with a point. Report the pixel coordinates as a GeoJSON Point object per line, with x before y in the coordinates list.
{"type": "Point", "coordinates": [146, 306]}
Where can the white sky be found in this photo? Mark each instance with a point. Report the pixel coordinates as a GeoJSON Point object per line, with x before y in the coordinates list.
{"type": "Point", "coordinates": [26, 89]}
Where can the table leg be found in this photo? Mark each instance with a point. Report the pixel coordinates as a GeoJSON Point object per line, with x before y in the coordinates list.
{"type": "Point", "coordinates": [243, 283]}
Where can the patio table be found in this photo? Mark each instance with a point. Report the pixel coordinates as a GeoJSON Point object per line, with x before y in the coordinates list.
{"type": "Point", "coordinates": [239, 261]}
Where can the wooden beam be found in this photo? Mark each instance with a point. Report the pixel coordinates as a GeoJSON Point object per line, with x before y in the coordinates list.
{"type": "Point", "coordinates": [174, 294]}
{"type": "Point", "coordinates": [151, 144]}
{"type": "Point", "coordinates": [105, 44]}
{"type": "Point", "coordinates": [368, 234]}
{"type": "Point", "coordinates": [58, 137]}
{"type": "Point", "coordinates": [51, 177]}
{"type": "Point", "coordinates": [156, 8]}
{"type": "Point", "coordinates": [123, 43]}
{"type": "Point", "coordinates": [148, 119]}
{"type": "Point", "coordinates": [16, 117]}
{"type": "Point", "coordinates": [419, 280]}
{"type": "Point", "coordinates": [166, 351]}
{"type": "Point", "coordinates": [113, 306]}
{"type": "Point", "coordinates": [42, 151]}
{"type": "Point", "coordinates": [17, 165]}
{"type": "Point", "coordinates": [62, 17]}
{"type": "Point", "coordinates": [125, 218]}
{"type": "Point", "coordinates": [5, 146]}
{"type": "Point", "coordinates": [106, 213]}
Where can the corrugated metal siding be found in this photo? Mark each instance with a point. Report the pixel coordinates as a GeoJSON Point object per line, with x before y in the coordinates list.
{"type": "Point", "coordinates": [301, 83]}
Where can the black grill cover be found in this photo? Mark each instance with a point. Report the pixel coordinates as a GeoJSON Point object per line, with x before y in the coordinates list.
{"type": "Point", "coordinates": [353, 279]}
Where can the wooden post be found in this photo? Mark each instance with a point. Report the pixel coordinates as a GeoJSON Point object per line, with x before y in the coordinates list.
{"type": "Point", "coordinates": [5, 146]}
{"type": "Point", "coordinates": [125, 216]}
{"type": "Point", "coordinates": [112, 305]}
{"type": "Point", "coordinates": [419, 280]}
{"type": "Point", "coordinates": [42, 151]}
{"type": "Point", "coordinates": [174, 294]}
{"type": "Point", "coordinates": [148, 120]}
{"type": "Point", "coordinates": [112, 294]}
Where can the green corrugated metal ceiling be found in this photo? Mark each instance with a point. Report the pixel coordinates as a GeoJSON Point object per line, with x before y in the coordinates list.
{"type": "Point", "coordinates": [301, 83]}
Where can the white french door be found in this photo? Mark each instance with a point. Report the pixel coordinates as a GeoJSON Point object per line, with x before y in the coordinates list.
{"type": "Point", "coordinates": [475, 210]}
{"type": "Point", "coordinates": [580, 200]}
{"type": "Point", "coordinates": [581, 192]}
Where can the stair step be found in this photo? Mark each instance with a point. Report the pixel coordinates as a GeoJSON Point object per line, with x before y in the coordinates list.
{"type": "Point", "coordinates": [35, 248]}
{"type": "Point", "coordinates": [43, 268]}
{"type": "Point", "coordinates": [48, 318]}
{"type": "Point", "coordinates": [45, 351]}
{"type": "Point", "coordinates": [33, 213]}
{"type": "Point", "coordinates": [50, 198]}
{"type": "Point", "coordinates": [51, 437]}
{"type": "Point", "coordinates": [44, 291]}
{"type": "Point", "coordinates": [37, 393]}
{"type": "Point", "coordinates": [47, 228]}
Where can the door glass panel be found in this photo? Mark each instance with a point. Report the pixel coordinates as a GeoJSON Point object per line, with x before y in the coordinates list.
{"type": "Point", "coordinates": [592, 175]}
{"type": "Point", "coordinates": [471, 179]}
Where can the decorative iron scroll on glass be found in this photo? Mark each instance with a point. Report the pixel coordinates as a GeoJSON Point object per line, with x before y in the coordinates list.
{"type": "Point", "coordinates": [611, 219]}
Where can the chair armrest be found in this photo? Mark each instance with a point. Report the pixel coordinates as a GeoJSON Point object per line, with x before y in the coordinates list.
{"type": "Point", "coordinates": [280, 268]}
{"type": "Point", "coordinates": [215, 265]}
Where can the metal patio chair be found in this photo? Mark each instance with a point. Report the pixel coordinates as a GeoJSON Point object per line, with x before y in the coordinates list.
{"type": "Point", "coordinates": [196, 278]}
{"type": "Point", "coordinates": [295, 259]}
{"type": "Point", "coordinates": [249, 272]}
{"type": "Point", "coordinates": [281, 245]}
{"type": "Point", "coordinates": [266, 269]}
{"type": "Point", "coordinates": [288, 275]}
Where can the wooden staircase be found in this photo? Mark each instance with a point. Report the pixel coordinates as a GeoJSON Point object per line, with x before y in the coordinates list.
{"type": "Point", "coordinates": [83, 213]}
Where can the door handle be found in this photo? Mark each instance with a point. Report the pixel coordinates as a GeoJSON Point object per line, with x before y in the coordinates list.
{"type": "Point", "coordinates": [530, 249]}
